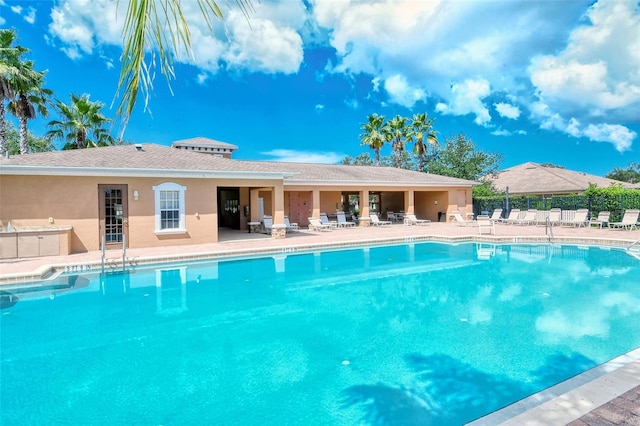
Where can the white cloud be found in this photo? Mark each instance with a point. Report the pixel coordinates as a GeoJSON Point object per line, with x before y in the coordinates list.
{"type": "Point", "coordinates": [507, 110]}
{"type": "Point", "coordinates": [501, 132]}
{"type": "Point", "coordinates": [268, 42]}
{"type": "Point", "coordinates": [620, 136]}
{"type": "Point", "coordinates": [466, 98]}
{"type": "Point", "coordinates": [401, 92]}
{"type": "Point", "coordinates": [291, 156]}
{"type": "Point", "coordinates": [319, 107]}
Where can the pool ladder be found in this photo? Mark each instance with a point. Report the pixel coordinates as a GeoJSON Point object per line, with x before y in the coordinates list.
{"type": "Point", "coordinates": [124, 252]}
{"type": "Point", "coordinates": [549, 230]}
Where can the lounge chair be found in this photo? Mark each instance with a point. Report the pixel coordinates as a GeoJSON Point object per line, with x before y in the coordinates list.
{"type": "Point", "coordinates": [601, 220]}
{"type": "Point", "coordinates": [528, 219]}
{"type": "Point", "coordinates": [555, 216]}
{"type": "Point", "coordinates": [496, 216]}
{"type": "Point", "coordinates": [513, 216]}
{"type": "Point", "coordinates": [290, 227]}
{"type": "Point", "coordinates": [579, 219]}
{"type": "Point", "coordinates": [343, 222]}
{"type": "Point", "coordinates": [267, 224]}
{"type": "Point", "coordinates": [316, 225]}
{"type": "Point", "coordinates": [629, 220]}
{"type": "Point", "coordinates": [325, 221]}
{"type": "Point", "coordinates": [411, 219]}
{"type": "Point", "coordinates": [375, 220]}
{"type": "Point", "coordinates": [485, 224]}
{"type": "Point", "coordinates": [459, 220]}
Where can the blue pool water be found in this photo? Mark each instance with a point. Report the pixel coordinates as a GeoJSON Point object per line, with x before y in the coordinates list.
{"type": "Point", "coordinates": [413, 334]}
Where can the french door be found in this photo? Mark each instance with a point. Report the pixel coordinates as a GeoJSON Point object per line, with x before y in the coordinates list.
{"type": "Point", "coordinates": [114, 215]}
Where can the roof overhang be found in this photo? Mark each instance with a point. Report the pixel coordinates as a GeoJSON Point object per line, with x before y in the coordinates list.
{"type": "Point", "coordinates": [96, 171]}
{"type": "Point", "coordinates": [384, 183]}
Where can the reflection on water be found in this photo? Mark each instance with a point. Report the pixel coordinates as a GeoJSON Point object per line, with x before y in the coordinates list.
{"type": "Point", "coordinates": [410, 334]}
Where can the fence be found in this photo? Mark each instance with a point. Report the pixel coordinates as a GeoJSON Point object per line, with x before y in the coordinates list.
{"type": "Point", "coordinates": [616, 204]}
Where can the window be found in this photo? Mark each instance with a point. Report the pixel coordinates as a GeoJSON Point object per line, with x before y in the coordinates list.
{"type": "Point", "coordinates": [170, 216]}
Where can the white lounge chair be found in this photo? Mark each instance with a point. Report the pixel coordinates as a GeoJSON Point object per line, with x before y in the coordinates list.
{"type": "Point", "coordinates": [343, 222]}
{"type": "Point", "coordinates": [496, 216]}
{"type": "Point", "coordinates": [267, 224]}
{"type": "Point", "coordinates": [528, 219]}
{"type": "Point", "coordinates": [513, 216]}
{"type": "Point", "coordinates": [579, 219]}
{"type": "Point", "coordinates": [316, 225]}
{"type": "Point", "coordinates": [325, 221]}
{"type": "Point", "coordinates": [629, 220]}
{"type": "Point", "coordinates": [601, 220]}
{"type": "Point", "coordinates": [375, 220]}
{"type": "Point", "coordinates": [411, 219]}
{"type": "Point", "coordinates": [555, 216]}
{"type": "Point", "coordinates": [485, 224]}
{"type": "Point", "coordinates": [459, 220]}
{"type": "Point", "coordinates": [290, 227]}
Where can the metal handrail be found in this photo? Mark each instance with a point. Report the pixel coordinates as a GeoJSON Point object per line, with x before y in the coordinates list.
{"type": "Point", "coordinates": [549, 229]}
{"type": "Point", "coordinates": [103, 253]}
{"type": "Point", "coordinates": [633, 244]}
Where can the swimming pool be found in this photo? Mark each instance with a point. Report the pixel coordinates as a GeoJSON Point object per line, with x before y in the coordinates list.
{"type": "Point", "coordinates": [422, 333]}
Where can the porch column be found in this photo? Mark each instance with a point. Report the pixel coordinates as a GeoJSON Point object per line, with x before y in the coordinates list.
{"type": "Point", "coordinates": [315, 203]}
{"type": "Point", "coordinates": [277, 206]}
{"type": "Point", "coordinates": [364, 208]}
{"type": "Point", "coordinates": [409, 201]}
{"type": "Point", "coordinates": [254, 195]}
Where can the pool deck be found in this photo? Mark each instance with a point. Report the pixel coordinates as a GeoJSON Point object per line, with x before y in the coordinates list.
{"type": "Point", "coordinates": [608, 394]}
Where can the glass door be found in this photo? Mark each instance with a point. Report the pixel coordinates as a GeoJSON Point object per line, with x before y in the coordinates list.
{"type": "Point", "coordinates": [114, 220]}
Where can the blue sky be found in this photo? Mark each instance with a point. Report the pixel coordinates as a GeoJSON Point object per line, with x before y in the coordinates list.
{"type": "Point", "coordinates": [543, 81]}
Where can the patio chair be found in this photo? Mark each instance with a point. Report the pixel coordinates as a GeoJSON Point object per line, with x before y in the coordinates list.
{"type": "Point", "coordinates": [629, 220]}
{"type": "Point", "coordinates": [375, 220]}
{"type": "Point", "coordinates": [555, 216]}
{"type": "Point", "coordinates": [391, 216]}
{"type": "Point", "coordinates": [324, 219]}
{"type": "Point", "coordinates": [411, 219]}
{"type": "Point", "coordinates": [579, 219]}
{"type": "Point", "coordinates": [316, 225]}
{"type": "Point", "coordinates": [459, 220]}
{"type": "Point", "coordinates": [601, 220]}
{"type": "Point", "coordinates": [529, 218]}
{"type": "Point", "coordinates": [290, 227]}
{"type": "Point", "coordinates": [513, 216]}
{"type": "Point", "coordinates": [485, 224]}
{"type": "Point", "coordinates": [267, 224]}
{"type": "Point", "coordinates": [343, 222]}
{"type": "Point", "coordinates": [496, 216]}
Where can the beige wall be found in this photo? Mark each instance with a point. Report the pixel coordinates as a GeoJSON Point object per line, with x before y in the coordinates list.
{"type": "Point", "coordinates": [73, 201]}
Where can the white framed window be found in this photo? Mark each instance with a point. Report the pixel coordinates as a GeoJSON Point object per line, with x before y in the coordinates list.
{"type": "Point", "coordinates": [169, 208]}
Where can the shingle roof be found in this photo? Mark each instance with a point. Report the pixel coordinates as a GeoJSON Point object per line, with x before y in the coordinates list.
{"type": "Point", "coordinates": [158, 160]}
{"type": "Point", "coordinates": [534, 178]}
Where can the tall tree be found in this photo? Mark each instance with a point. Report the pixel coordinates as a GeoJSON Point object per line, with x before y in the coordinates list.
{"type": "Point", "coordinates": [163, 26]}
{"type": "Point", "coordinates": [12, 71]}
{"type": "Point", "coordinates": [397, 133]}
{"type": "Point", "coordinates": [81, 124]}
{"type": "Point", "coordinates": [36, 143]}
{"type": "Point", "coordinates": [631, 174]}
{"type": "Point", "coordinates": [373, 135]}
{"type": "Point", "coordinates": [459, 158]}
{"type": "Point", "coordinates": [31, 98]}
{"type": "Point", "coordinates": [422, 131]}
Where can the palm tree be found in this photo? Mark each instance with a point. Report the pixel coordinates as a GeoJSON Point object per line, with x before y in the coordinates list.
{"type": "Point", "coordinates": [12, 69]}
{"type": "Point", "coordinates": [81, 124]}
{"type": "Point", "coordinates": [397, 133]}
{"type": "Point", "coordinates": [163, 26]}
{"type": "Point", "coordinates": [32, 98]}
{"type": "Point", "coordinates": [422, 130]}
{"type": "Point", "coordinates": [373, 134]}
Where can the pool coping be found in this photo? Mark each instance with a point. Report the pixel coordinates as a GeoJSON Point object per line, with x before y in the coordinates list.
{"type": "Point", "coordinates": [50, 272]}
{"type": "Point", "coordinates": [573, 398]}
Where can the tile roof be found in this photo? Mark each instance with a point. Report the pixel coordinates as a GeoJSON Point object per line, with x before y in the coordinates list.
{"type": "Point", "coordinates": [159, 160]}
{"type": "Point", "coordinates": [534, 178]}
